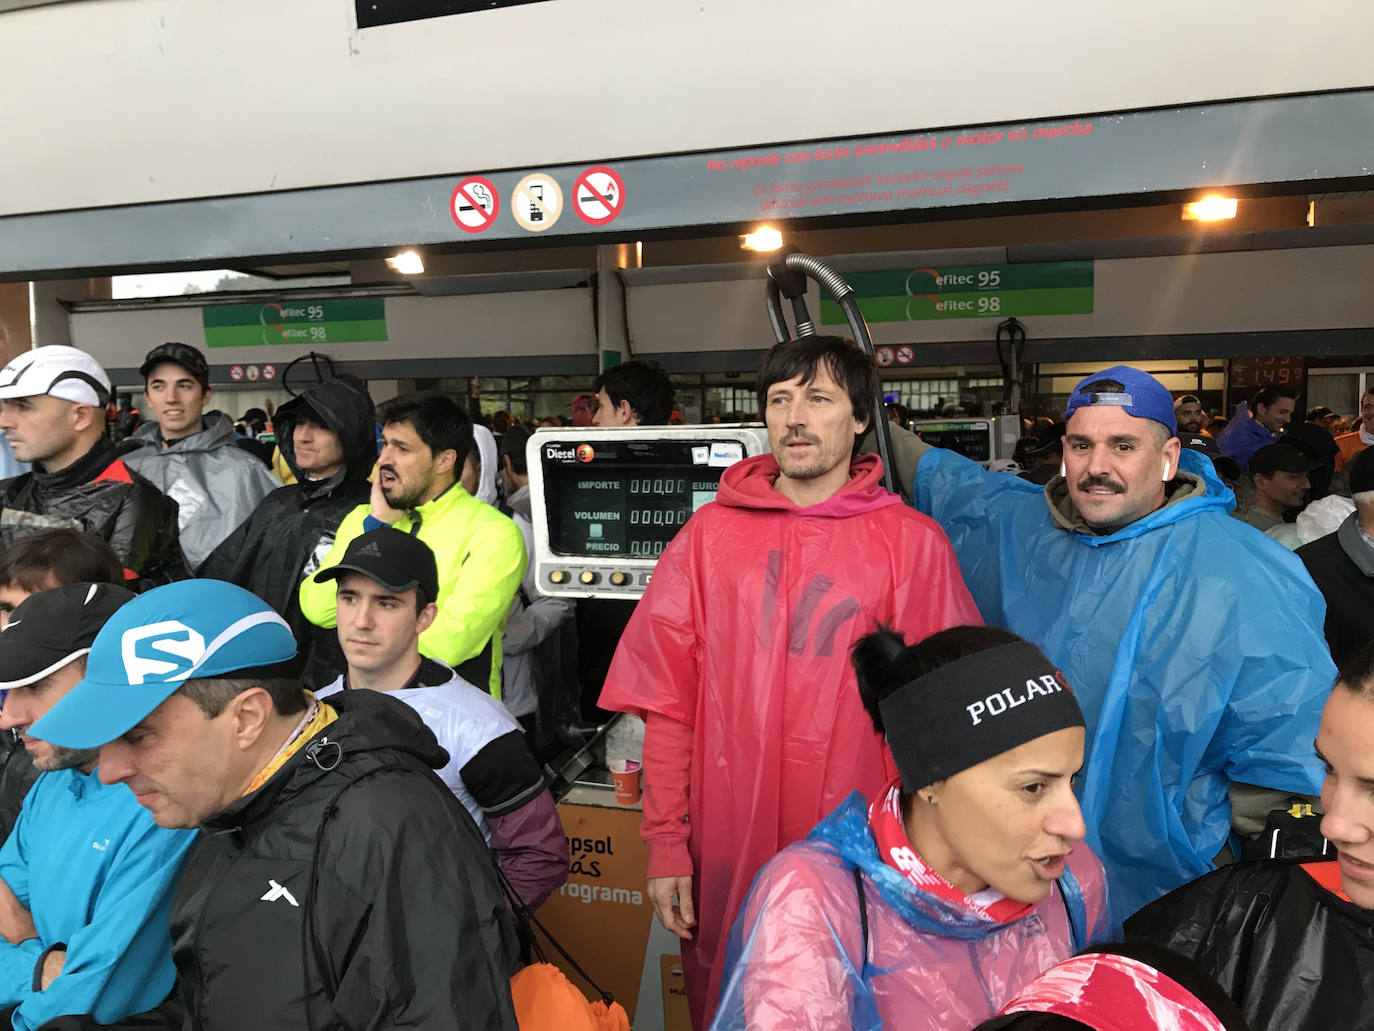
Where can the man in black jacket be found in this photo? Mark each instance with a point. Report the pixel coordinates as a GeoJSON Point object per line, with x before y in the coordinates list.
{"type": "Point", "coordinates": [53, 403]}
{"type": "Point", "coordinates": [328, 438]}
{"type": "Point", "coordinates": [339, 883]}
{"type": "Point", "coordinates": [1341, 564]}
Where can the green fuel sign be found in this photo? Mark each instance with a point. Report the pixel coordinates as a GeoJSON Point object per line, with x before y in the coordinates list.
{"type": "Point", "coordinates": [337, 321]}
{"type": "Point", "coordinates": [969, 292]}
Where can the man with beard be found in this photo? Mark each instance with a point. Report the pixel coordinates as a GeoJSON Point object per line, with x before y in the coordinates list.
{"type": "Point", "coordinates": [1190, 415]}
{"type": "Point", "coordinates": [480, 553]}
{"type": "Point", "coordinates": [86, 878]}
{"type": "Point", "coordinates": [1201, 703]}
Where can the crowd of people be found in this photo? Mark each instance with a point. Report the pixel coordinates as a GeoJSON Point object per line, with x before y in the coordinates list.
{"type": "Point", "coordinates": [1062, 749]}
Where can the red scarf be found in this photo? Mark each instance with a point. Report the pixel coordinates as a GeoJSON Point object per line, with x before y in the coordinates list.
{"type": "Point", "coordinates": [885, 821]}
{"type": "Point", "coordinates": [1113, 993]}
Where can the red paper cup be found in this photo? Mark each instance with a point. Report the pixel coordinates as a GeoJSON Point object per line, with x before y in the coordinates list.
{"type": "Point", "coordinates": [625, 774]}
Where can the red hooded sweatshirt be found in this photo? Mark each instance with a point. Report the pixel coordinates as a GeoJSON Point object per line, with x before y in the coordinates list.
{"type": "Point", "coordinates": [738, 659]}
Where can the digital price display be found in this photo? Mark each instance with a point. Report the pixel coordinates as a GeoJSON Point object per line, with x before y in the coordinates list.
{"type": "Point", "coordinates": [983, 440]}
{"type": "Point", "coordinates": [607, 502]}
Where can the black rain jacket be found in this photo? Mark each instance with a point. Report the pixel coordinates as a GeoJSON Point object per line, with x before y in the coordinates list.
{"type": "Point", "coordinates": [1292, 954]}
{"type": "Point", "coordinates": [102, 495]}
{"type": "Point", "coordinates": [352, 890]}
{"type": "Point", "coordinates": [293, 528]}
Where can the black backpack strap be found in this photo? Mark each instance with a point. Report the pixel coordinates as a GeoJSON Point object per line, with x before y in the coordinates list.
{"type": "Point", "coordinates": [863, 914]}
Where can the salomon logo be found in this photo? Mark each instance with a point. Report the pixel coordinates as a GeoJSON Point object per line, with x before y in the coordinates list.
{"type": "Point", "coordinates": [276, 891]}
{"type": "Point", "coordinates": [160, 650]}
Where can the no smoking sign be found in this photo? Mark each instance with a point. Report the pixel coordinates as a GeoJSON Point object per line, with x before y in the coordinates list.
{"type": "Point", "coordinates": [598, 195]}
{"type": "Point", "coordinates": [474, 204]}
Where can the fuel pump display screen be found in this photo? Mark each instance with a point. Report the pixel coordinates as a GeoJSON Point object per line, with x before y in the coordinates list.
{"type": "Point", "coordinates": [628, 498]}
{"type": "Point", "coordinates": [972, 439]}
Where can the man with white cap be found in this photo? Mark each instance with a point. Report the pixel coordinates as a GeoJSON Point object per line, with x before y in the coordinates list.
{"type": "Point", "coordinates": [86, 878]}
{"type": "Point", "coordinates": [53, 404]}
{"type": "Point", "coordinates": [1194, 642]}
{"type": "Point", "coordinates": [339, 883]}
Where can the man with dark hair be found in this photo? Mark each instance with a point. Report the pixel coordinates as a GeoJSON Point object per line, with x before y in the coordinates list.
{"type": "Point", "coordinates": [633, 394]}
{"type": "Point", "coordinates": [1259, 423]}
{"type": "Point", "coordinates": [190, 454]}
{"type": "Point", "coordinates": [385, 582]}
{"type": "Point", "coordinates": [1189, 414]}
{"type": "Point", "coordinates": [1352, 443]}
{"type": "Point", "coordinates": [1200, 717]}
{"type": "Point", "coordinates": [328, 438]}
{"type": "Point", "coordinates": [36, 563]}
{"type": "Point", "coordinates": [480, 553]}
{"type": "Point", "coordinates": [50, 559]}
{"type": "Point", "coordinates": [331, 849]}
{"type": "Point", "coordinates": [737, 657]}
{"type": "Point", "coordinates": [86, 879]}
{"type": "Point", "coordinates": [53, 404]}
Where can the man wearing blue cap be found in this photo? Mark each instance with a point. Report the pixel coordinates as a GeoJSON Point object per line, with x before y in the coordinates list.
{"type": "Point", "coordinates": [86, 878]}
{"type": "Point", "coordinates": [1194, 642]}
{"type": "Point", "coordinates": [331, 850]}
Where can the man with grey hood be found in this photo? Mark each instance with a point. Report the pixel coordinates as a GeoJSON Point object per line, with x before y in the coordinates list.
{"type": "Point", "coordinates": [539, 646]}
{"type": "Point", "coordinates": [189, 454]}
{"type": "Point", "coordinates": [328, 438]}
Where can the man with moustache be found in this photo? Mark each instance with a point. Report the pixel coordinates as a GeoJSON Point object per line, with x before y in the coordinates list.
{"type": "Point", "coordinates": [1189, 414]}
{"type": "Point", "coordinates": [86, 878]}
{"type": "Point", "coordinates": [1194, 643]}
{"type": "Point", "coordinates": [480, 553]}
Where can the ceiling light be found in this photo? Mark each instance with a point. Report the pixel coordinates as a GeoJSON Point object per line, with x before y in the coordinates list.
{"type": "Point", "coordinates": [764, 238]}
{"type": "Point", "coordinates": [407, 263]}
{"type": "Point", "coordinates": [1210, 209]}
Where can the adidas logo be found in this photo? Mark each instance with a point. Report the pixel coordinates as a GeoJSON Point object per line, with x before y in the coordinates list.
{"type": "Point", "coordinates": [277, 891]}
{"type": "Point", "coordinates": [370, 550]}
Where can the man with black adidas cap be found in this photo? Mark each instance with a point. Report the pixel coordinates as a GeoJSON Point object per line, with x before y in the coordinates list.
{"type": "Point", "coordinates": [86, 878]}
{"type": "Point", "coordinates": [190, 454]}
{"type": "Point", "coordinates": [331, 848]}
{"type": "Point", "coordinates": [387, 581]}
{"type": "Point", "coordinates": [1195, 646]}
{"type": "Point", "coordinates": [53, 403]}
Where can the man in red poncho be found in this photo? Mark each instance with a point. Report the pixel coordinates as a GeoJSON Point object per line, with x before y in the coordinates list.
{"type": "Point", "coordinates": [738, 656]}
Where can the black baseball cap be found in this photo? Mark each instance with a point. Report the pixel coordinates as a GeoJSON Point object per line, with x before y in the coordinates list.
{"type": "Point", "coordinates": [398, 561]}
{"type": "Point", "coordinates": [49, 629]}
{"type": "Point", "coordinates": [1362, 472]}
{"type": "Point", "coordinates": [1283, 457]}
{"type": "Point", "coordinates": [188, 357]}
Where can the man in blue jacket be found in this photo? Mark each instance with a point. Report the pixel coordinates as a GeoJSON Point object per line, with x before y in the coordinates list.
{"type": "Point", "coordinates": [86, 877]}
{"type": "Point", "coordinates": [1258, 423]}
{"type": "Point", "coordinates": [1193, 641]}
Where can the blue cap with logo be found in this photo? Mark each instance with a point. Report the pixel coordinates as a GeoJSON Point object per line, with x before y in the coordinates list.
{"type": "Point", "coordinates": [1140, 395]}
{"type": "Point", "coordinates": [190, 630]}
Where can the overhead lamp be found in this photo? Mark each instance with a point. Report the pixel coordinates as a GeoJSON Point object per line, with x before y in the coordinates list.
{"type": "Point", "coordinates": [763, 239]}
{"type": "Point", "coordinates": [407, 263]}
{"type": "Point", "coordinates": [1210, 209]}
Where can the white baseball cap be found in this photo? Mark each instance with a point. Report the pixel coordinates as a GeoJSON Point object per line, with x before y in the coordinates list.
{"type": "Point", "coordinates": [58, 371]}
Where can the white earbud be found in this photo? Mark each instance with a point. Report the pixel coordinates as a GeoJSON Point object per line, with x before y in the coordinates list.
{"type": "Point", "coordinates": [1063, 469]}
{"type": "Point", "coordinates": [1166, 472]}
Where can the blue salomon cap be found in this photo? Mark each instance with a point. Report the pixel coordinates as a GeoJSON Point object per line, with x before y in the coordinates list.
{"type": "Point", "coordinates": [1140, 395]}
{"type": "Point", "coordinates": [193, 629]}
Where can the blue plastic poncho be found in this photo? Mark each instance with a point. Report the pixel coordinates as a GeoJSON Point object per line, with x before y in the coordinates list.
{"type": "Point", "coordinates": [796, 959]}
{"type": "Point", "coordinates": [1194, 644]}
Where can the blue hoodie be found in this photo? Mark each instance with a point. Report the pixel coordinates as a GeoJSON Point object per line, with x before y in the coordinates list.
{"type": "Point", "coordinates": [96, 874]}
{"type": "Point", "coordinates": [1193, 642]}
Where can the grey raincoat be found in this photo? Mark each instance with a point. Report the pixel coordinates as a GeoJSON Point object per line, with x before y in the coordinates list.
{"type": "Point", "coordinates": [215, 484]}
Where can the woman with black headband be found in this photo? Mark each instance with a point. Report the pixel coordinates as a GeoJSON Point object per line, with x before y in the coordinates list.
{"type": "Point", "coordinates": [928, 907]}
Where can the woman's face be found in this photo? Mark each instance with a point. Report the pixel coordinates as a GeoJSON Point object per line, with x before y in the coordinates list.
{"type": "Point", "coordinates": [1345, 743]}
{"type": "Point", "coordinates": [1007, 823]}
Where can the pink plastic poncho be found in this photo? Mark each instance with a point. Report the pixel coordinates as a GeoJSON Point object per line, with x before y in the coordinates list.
{"type": "Point", "coordinates": [738, 656]}
{"type": "Point", "coordinates": [797, 960]}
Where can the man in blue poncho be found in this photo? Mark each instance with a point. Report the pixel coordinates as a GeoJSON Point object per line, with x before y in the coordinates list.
{"type": "Point", "coordinates": [1194, 641]}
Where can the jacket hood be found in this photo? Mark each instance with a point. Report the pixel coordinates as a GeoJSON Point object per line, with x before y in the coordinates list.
{"type": "Point", "coordinates": [749, 484]}
{"type": "Point", "coordinates": [345, 407]}
{"type": "Point", "coordinates": [219, 431]}
{"type": "Point", "coordinates": [520, 504]}
{"type": "Point", "coordinates": [1198, 488]}
{"type": "Point", "coordinates": [368, 723]}
{"type": "Point", "coordinates": [847, 831]}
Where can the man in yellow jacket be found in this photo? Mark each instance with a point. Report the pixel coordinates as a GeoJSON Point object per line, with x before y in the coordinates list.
{"type": "Point", "coordinates": [480, 552]}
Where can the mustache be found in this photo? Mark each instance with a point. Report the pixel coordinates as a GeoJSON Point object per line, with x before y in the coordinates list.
{"type": "Point", "coordinates": [388, 469]}
{"type": "Point", "coordinates": [797, 436]}
{"type": "Point", "coordinates": [1089, 482]}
